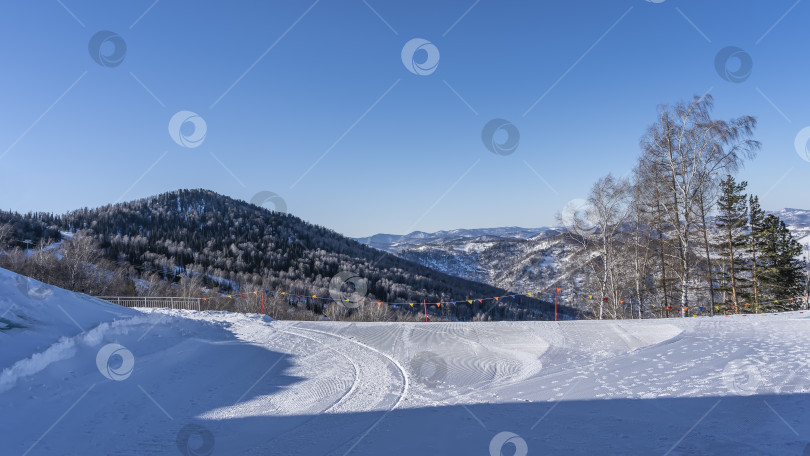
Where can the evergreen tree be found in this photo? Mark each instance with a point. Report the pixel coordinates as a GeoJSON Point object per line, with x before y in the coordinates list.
{"type": "Point", "coordinates": [731, 220]}
{"type": "Point", "coordinates": [781, 271]}
{"type": "Point", "coordinates": [755, 217]}
{"type": "Point", "coordinates": [806, 272]}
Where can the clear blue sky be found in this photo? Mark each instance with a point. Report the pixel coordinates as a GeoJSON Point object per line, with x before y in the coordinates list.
{"type": "Point", "coordinates": [283, 84]}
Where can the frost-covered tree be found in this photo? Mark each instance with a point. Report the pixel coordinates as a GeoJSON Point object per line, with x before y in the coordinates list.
{"type": "Point", "coordinates": [597, 229]}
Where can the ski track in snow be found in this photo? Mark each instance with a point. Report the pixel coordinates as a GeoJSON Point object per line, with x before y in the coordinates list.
{"type": "Point", "coordinates": [374, 389]}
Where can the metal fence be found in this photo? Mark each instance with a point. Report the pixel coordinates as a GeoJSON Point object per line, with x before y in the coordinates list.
{"type": "Point", "coordinates": [168, 302]}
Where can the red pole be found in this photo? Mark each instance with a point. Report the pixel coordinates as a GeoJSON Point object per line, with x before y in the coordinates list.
{"type": "Point", "coordinates": [555, 304]}
{"type": "Point", "coordinates": [425, 301]}
{"type": "Point", "coordinates": [262, 302]}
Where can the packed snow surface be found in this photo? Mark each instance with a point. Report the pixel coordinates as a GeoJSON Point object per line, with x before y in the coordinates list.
{"type": "Point", "coordinates": [81, 376]}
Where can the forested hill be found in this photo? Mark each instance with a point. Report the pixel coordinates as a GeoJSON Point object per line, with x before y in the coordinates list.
{"type": "Point", "coordinates": [236, 245]}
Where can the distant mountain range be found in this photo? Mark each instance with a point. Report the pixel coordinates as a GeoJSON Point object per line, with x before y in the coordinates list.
{"type": "Point", "coordinates": [396, 243]}
{"type": "Point", "coordinates": [520, 259]}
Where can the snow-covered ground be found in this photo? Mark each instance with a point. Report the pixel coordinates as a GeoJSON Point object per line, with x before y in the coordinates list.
{"type": "Point", "coordinates": [80, 376]}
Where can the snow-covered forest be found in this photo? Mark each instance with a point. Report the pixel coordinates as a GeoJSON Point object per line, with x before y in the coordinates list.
{"type": "Point", "coordinates": [199, 243]}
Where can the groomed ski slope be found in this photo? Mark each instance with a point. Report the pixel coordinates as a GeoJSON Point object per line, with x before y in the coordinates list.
{"type": "Point", "coordinates": [182, 382]}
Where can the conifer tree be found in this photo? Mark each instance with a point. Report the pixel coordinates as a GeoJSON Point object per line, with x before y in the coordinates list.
{"type": "Point", "coordinates": [755, 218]}
{"type": "Point", "coordinates": [781, 266]}
{"type": "Point", "coordinates": [731, 220]}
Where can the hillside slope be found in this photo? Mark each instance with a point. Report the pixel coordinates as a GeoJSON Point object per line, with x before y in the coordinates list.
{"type": "Point", "coordinates": [238, 246]}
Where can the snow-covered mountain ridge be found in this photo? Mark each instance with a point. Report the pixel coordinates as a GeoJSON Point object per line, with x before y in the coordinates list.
{"type": "Point", "coordinates": [517, 259]}
{"type": "Point", "coordinates": [395, 242]}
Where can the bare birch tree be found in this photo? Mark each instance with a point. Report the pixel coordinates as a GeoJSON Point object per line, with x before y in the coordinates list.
{"type": "Point", "coordinates": [596, 229]}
